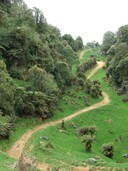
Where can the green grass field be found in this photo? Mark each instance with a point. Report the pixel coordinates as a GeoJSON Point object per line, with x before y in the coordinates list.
{"type": "Point", "coordinates": [94, 52]}
{"type": "Point", "coordinates": [6, 163]}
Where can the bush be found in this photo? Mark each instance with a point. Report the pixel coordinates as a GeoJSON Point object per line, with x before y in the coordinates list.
{"type": "Point", "coordinates": [108, 150]}
{"type": "Point", "coordinates": [31, 103]}
{"type": "Point", "coordinates": [87, 65]}
{"type": "Point", "coordinates": [88, 130]}
{"type": "Point", "coordinates": [93, 88]}
{"type": "Point", "coordinates": [7, 126]}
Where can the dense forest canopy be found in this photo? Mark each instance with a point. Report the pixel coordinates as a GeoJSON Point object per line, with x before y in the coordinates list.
{"type": "Point", "coordinates": [115, 46]}
{"type": "Point", "coordinates": [34, 52]}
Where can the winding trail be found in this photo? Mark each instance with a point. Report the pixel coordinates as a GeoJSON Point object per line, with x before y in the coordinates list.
{"type": "Point", "coordinates": [18, 147]}
{"type": "Point", "coordinates": [82, 53]}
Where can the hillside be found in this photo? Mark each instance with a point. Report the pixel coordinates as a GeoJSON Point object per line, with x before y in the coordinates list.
{"type": "Point", "coordinates": [63, 104]}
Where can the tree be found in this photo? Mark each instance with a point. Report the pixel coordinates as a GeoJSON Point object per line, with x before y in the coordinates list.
{"type": "Point", "coordinates": [108, 41]}
{"type": "Point", "coordinates": [117, 68]}
{"type": "Point", "coordinates": [78, 44]}
{"type": "Point", "coordinates": [70, 55]}
{"type": "Point", "coordinates": [7, 126]}
{"type": "Point", "coordinates": [69, 39]}
{"type": "Point", "coordinates": [35, 103]}
{"type": "Point", "coordinates": [88, 130]}
{"type": "Point", "coordinates": [40, 20]}
{"type": "Point", "coordinates": [42, 80]}
{"type": "Point", "coordinates": [62, 74]}
{"type": "Point", "coordinates": [108, 150]}
{"type": "Point", "coordinates": [122, 34]}
{"type": "Point", "coordinates": [7, 90]}
{"type": "Point", "coordinates": [88, 140]}
{"type": "Point", "coordinates": [75, 44]}
{"type": "Point", "coordinates": [87, 65]}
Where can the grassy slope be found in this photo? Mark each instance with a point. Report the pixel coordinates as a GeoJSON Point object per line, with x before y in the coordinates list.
{"type": "Point", "coordinates": [6, 163]}
{"type": "Point", "coordinates": [73, 101]}
{"type": "Point", "coordinates": [68, 148]}
{"type": "Point", "coordinates": [87, 55]}
{"type": "Point", "coordinates": [67, 106]}
{"type": "Point", "coordinates": [22, 125]}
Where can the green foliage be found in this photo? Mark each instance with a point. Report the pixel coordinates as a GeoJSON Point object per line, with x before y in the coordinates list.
{"type": "Point", "coordinates": [71, 153]}
{"type": "Point", "coordinates": [88, 130]}
{"type": "Point", "coordinates": [108, 150]}
{"type": "Point", "coordinates": [62, 74]}
{"type": "Point", "coordinates": [93, 88]}
{"type": "Point", "coordinates": [117, 66]}
{"type": "Point", "coordinates": [79, 79]}
{"type": "Point", "coordinates": [7, 126]}
{"type": "Point", "coordinates": [122, 34]}
{"type": "Point", "coordinates": [34, 103]}
{"type": "Point", "coordinates": [111, 51]}
{"type": "Point", "coordinates": [7, 163]}
{"type": "Point", "coordinates": [75, 44]}
{"type": "Point", "coordinates": [88, 140]}
{"type": "Point", "coordinates": [69, 39]}
{"type": "Point", "coordinates": [88, 136]}
{"type": "Point", "coordinates": [108, 41]}
{"type": "Point", "coordinates": [7, 90]}
{"type": "Point", "coordinates": [78, 44]}
{"type": "Point", "coordinates": [40, 20]}
{"type": "Point", "coordinates": [36, 56]}
{"type": "Point", "coordinates": [42, 81]}
{"type": "Point", "coordinates": [87, 65]}
{"type": "Point", "coordinates": [71, 56]}
{"type": "Point", "coordinates": [92, 45]}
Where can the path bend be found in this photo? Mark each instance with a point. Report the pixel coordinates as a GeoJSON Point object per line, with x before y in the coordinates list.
{"type": "Point", "coordinates": [17, 149]}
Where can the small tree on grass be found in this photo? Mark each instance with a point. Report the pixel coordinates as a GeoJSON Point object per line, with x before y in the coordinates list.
{"type": "Point", "coordinates": [88, 140]}
{"type": "Point", "coordinates": [108, 150]}
{"type": "Point", "coordinates": [63, 125]}
{"type": "Point", "coordinates": [88, 130]}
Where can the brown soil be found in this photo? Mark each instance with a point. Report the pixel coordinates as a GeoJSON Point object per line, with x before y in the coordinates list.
{"type": "Point", "coordinates": [18, 147]}
{"type": "Point", "coordinates": [100, 64]}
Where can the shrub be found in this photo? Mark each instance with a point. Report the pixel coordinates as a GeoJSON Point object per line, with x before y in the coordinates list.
{"type": "Point", "coordinates": [88, 140]}
{"type": "Point", "coordinates": [88, 130]}
{"type": "Point", "coordinates": [108, 150]}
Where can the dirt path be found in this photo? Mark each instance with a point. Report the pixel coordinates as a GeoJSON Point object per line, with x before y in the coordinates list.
{"type": "Point", "coordinates": [17, 149]}
{"type": "Point", "coordinates": [82, 53]}
{"type": "Point", "coordinates": [100, 64]}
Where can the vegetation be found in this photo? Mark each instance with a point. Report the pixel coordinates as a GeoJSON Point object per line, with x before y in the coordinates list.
{"type": "Point", "coordinates": [108, 41]}
{"type": "Point", "coordinates": [35, 63]}
{"type": "Point", "coordinates": [88, 140]}
{"type": "Point", "coordinates": [108, 150]}
{"type": "Point", "coordinates": [41, 76]}
{"type": "Point", "coordinates": [7, 126]}
{"type": "Point", "coordinates": [87, 65]}
{"type": "Point", "coordinates": [7, 163]}
{"type": "Point", "coordinates": [88, 130]}
{"type": "Point", "coordinates": [7, 90]}
{"type": "Point", "coordinates": [106, 123]}
{"type": "Point", "coordinates": [117, 60]}
{"type": "Point", "coordinates": [75, 44]}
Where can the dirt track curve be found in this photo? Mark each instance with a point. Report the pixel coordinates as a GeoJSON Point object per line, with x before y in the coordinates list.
{"type": "Point", "coordinates": [82, 53]}
{"type": "Point", "coordinates": [18, 147]}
